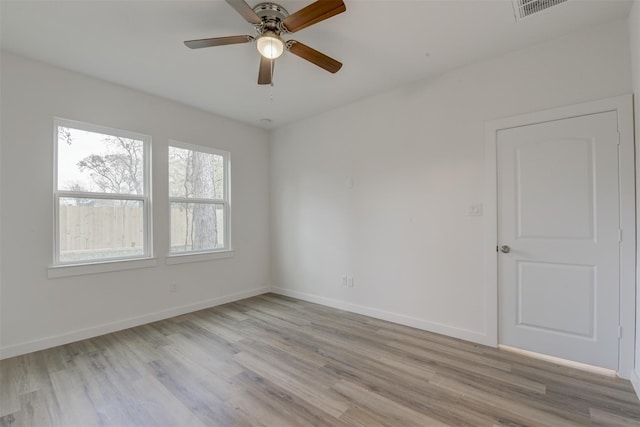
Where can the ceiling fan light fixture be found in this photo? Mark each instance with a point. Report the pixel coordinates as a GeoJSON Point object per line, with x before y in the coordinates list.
{"type": "Point", "coordinates": [270, 45]}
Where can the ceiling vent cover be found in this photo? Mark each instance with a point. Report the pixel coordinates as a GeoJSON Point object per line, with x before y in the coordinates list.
{"type": "Point", "coordinates": [524, 8]}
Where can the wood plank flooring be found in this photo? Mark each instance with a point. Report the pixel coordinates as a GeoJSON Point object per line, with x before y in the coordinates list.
{"type": "Point", "coordinates": [277, 361]}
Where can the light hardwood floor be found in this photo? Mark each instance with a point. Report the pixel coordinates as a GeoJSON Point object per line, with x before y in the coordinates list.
{"type": "Point", "coordinates": [277, 361]}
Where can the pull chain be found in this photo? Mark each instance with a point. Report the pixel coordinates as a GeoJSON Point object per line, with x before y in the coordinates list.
{"type": "Point", "coordinates": [271, 90]}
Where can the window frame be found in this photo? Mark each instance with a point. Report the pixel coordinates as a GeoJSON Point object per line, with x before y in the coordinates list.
{"type": "Point", "coordinates": [145, 198]}
{"type": "Point", "coordinates": [204, 254]}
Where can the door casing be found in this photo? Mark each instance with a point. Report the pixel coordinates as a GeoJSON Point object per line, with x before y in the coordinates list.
{"type": "Point", "coordinates": [623, 106]}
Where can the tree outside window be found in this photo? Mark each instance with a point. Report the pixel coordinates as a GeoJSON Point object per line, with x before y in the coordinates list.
{"type": "Point", "coordinates": [199, 198]}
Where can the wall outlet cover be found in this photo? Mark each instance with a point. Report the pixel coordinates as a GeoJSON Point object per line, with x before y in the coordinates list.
{"type": "Point", "coordinates": [474, 210]}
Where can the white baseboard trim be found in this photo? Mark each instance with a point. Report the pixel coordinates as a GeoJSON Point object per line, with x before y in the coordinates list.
{"type": "Point", "coordinates": [106, 328]}
{"type": "Point", "coordinates": [401, 319]}
{"type": "Point", "coordinates": [635, 381]}
{"type": "Point", "coordinates": [560, 361]}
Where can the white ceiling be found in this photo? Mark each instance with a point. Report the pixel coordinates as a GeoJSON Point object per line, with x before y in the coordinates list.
{"type": "Point", "coordinates": [382, 43]}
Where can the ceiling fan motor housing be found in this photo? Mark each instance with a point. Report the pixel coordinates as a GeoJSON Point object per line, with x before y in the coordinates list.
{"type": "Point", "coordinates": [271, 15]}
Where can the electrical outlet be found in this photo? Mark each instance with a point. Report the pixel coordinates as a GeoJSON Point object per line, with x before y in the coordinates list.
{"type": "Point", "coordinates": [350, 281]}
{"type": "Point", "coordinates": [344, 280]}
{"type": "Point", "coordinates": [173, 287]}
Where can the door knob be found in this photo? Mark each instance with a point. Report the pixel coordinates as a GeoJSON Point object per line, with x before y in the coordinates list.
{"type": "Point", "coordinates": [505, 249]}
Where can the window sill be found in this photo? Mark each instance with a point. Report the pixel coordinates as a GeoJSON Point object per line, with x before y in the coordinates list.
{"type": "Point", "coordinates": [198, 257]}
{"type": "Point", "coordinates": [57, 271]}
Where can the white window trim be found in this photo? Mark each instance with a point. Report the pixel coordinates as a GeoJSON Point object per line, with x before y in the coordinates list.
{"type": "Point", "coordinates": [70, 270]}
{"type": "Point", "coordinates": [63, 269]}
{"type": "Point", "coordinates": [209, 254]}
{"type": "Point", "coordinates": [183, 258]}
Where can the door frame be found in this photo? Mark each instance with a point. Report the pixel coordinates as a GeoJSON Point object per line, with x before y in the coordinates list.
{"type": "Point", "coordinates": [623, 106]}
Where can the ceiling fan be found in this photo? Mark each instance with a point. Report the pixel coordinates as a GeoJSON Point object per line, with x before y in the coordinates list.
{"type": "Point", "coordinates": [271, 22]}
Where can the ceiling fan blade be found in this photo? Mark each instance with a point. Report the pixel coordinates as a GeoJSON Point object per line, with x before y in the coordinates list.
{"type": "Point", "coordinates": [245, 11]}
{"type": "Point", "coordinates": [265, 74]}
{"type": "Point", "coordinates": [312, 14]}
{"type": "Point", "coordinates": [312, 55]}
{"type": "Point", "coordinates": [217, 41]}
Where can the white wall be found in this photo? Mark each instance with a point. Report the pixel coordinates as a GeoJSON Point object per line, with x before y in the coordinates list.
{"type": "Point", "coordinates": [37, 312]}
{"type": "Point", "coordinates": [416, 155]}
{"type": "Point", "coordinates": [634, 36]}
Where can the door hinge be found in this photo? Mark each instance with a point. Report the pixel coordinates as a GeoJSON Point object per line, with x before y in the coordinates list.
{"type": "Point", "coordinates": [619, 235]}
{"type": "Point", "coordinates": [619, 331]}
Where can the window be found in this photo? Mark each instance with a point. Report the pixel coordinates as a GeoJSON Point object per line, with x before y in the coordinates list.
{"type": "Point", "coordinates": [199, 199]}
{"type": "Point", "coordinates": [101, 194]}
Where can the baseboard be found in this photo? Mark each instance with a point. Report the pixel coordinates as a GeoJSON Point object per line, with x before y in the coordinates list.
{"type": "Point", "coordinates": [81, 334]}
{"type": "Point", "coordinates": [401, 319]}
{"type": "Point", "coordinates": [635, 381]}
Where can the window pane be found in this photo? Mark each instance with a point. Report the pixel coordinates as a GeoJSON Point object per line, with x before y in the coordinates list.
{"type": "Point", "coordinates": [195, 174]}
{"type": "Point", "coordinates": [95, 229]}
{"type": "Point", "coordinates": [196, 227]}
{"type": "Point", "coordinates": [89, 161]}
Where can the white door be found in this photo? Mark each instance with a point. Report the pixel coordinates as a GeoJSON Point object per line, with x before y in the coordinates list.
{"type": "Point", "coordinates": [558, 214]}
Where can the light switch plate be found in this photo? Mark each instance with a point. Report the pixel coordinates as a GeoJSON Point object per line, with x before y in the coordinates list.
{"type": "Point", "coordinates": [474, 210]}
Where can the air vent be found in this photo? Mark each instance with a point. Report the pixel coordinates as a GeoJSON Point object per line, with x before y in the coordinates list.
{"type": "Point", "coordinates": [524, 8]}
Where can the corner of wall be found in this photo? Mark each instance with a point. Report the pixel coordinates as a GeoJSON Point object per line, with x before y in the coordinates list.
{"type": "Point", "coordinates": [634, 40]}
